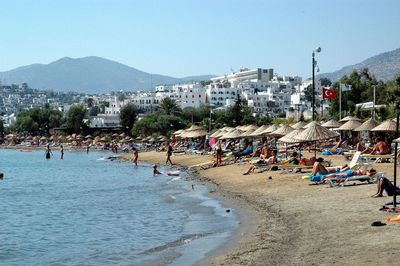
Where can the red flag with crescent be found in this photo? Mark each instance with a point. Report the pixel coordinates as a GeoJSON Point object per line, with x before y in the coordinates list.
{"type": "Point", "coordinates": [328, 93]}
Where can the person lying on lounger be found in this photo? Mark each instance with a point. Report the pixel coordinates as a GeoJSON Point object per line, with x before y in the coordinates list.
{"type": "Point", "coordinates": [385, 185]}
{"type": "Point", "coordinates": [319, 168]}
{"type": "Point", "coordinates": [341, 176]}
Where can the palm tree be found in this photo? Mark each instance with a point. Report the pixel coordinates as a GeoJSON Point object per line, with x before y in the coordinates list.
{"type": "Point", "coordinates": [169, 106]}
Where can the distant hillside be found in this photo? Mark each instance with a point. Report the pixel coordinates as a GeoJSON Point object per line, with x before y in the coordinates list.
{"type": "Point", "coordinates": [89, 74]}
{"type": "Point", "coordinates": [384, 66]}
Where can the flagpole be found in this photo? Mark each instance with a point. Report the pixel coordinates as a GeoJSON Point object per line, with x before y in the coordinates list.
{"type": "Point", "coordinates": [340, 101]}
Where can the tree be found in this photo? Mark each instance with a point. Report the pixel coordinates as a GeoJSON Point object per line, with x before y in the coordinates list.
{"type": "Point", "coordinates": [236, 111]}
{"type": "Point", "coordinates": [127, 116]}
{"type": "Point", "coordinates": [169, 106]}
{"type": "Point", "coordinates": [156, 124]}
{"type": "Point", "coordinates": [38, 121]}
{"type": "Point", "coordinates": [74, 118]}
{"type": "Point", "coordinates": [94, 111]}
{"type": "Point", "coordinates": [89, 102]}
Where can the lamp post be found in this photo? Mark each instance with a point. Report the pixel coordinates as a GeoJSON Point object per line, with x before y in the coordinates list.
{"type": "Point", "coordinates": [314, 64]}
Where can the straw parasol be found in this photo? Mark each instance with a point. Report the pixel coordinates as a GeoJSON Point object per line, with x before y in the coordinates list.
{"type": "Point", "coordinates": [194, 133]}
{"type": "Point", "coordinates": [387, 126]}
{"type": "Point", "coordinates": [315, 132]}
{"type": "Point", "coordinates": [270, 129]}
{"type": "Point", "coordinates": [299, 125]}
{"type": "Point", "coordinates": [367, 125]}
{"type": "Point", "coordinates": [232, 134]}
{"type": "Point", "coordinates": [348, 118]}
{"type": "Point", "coordinates": [247, 133]}
{"type": "Point", "coordinates": [216, 133]}
{"type": "Point", "coordinates": [258, 131]}
{"type": "Point", "coordinates": [311, 123]}
{"type": "Point", "coordinates": [288, 138]}
{"type": "Point", "coordinates": [331, 124]}
{"type": "Point", "coordinates": [249, 127]}
{"type": "Point", "coordinates": [194, 127]}
{"type": "Point", "coordinates": [282, 131]}
{"type": "Point", "coordinates": [350, 125]}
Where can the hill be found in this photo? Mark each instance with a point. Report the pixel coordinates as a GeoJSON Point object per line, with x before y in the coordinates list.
{"type": "Point", "coordinates": [384, 66]}
{"type": "Point", "coordinates": [90, 75]}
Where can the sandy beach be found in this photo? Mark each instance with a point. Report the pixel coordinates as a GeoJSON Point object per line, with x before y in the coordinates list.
{"type": "Point", "coordinates": [287, 221]}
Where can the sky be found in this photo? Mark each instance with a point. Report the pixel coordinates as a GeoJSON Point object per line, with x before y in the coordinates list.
{"type": "Point", "coordinates": [194, 37]}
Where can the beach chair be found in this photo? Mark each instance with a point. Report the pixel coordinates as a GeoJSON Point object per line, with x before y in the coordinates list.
{"type": "Point", "coordinates": [337, 181]}
{"type": "Point", "coordinates": [371, 158]}
{"type": "Point", "coordinates": [358, 161]}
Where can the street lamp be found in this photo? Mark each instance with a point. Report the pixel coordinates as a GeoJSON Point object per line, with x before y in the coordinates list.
{"type": "Point", "coordinates": [314, 65]}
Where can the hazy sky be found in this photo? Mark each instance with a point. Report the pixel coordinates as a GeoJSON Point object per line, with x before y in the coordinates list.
{"type": "Point", "coordinates": [193, 37]}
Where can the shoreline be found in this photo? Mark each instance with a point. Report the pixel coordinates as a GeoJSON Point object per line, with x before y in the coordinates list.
{"type": "Point", "coordinates": [284, 220]}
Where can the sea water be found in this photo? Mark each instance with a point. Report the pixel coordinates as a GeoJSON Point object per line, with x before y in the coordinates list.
{"type": "Point", "coordinates": [89, 210]}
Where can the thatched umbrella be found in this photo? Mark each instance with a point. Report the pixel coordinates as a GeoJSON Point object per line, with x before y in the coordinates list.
{"type": "Point", "coordinates": [193, 127]}
{"type": "Point", "coordinates": [311, 123]}
{"type": "Point", "coordinates": [350, 125]}
{"type": "Point", "coordinates": [270, 129]}
{"type": "Point", "coordinates": [387, 126]}
{"type": "Point", "coordinates": [299, 125]}
{"type": "Point", "coordinates": [282, 131]}
{"type": "Point", "coordinates": [258, 131]}
{"type": "Point", "coordinates": [315, 132]}
{"type": "Point", "coordinates": [250, 127]}
{"type": "Point", "coordinates": [367, 125]}
{"type": "Point", "coordinates": [331, 124]}
{"type": "Point", "coordinates": [88, 136]}
{"type": "Point", "coordinates": [288, 138]}
{"type": "Point", "coordinates": [194, 133]}
{"type": "Point", "coordinates": [216, 133]}
{"type": "Point", "coordinates": [349, 118]}
{"type": "Point", "coordinates": [247, 133]}
{"type": "Point", "coordinates": [234, 134]}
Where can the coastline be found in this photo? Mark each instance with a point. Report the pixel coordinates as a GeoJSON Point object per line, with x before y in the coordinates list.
{"type": "Point", "coordinates": [284, 220]}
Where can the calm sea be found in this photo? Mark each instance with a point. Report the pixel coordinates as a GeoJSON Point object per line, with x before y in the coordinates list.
{"type": "Point", "coordinates": [88, 210]}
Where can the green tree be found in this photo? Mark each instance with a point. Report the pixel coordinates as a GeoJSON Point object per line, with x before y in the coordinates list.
{"type": "Point", "coordinates": [94, 111]}
{"type": "Point", "coordinates": [38, 121]}
{"type": "Point", "coordinates": [128, 114]}
{"type": "Point", "coordinates": [169, 106]}
{"type": "Point", "coordinates": [156, 124]}
{"type": "Point", "coordinates": [74, 118]}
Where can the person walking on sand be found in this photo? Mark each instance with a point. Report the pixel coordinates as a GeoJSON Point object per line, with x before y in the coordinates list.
{"type": "Point", "coordinates": [219, 154]}
{"type": "Point", "coordinates": [169, 153]}
{"type": "Point", "coordinates": [48, 152]}
{"type": "Point", "coordinates": [135, 155]}
{"type": "Point", "coordinates": [62, 152]}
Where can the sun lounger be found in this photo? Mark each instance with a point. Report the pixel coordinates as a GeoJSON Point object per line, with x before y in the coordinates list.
{"type": "Point", "coordinates": [340, 181]}
{"type": "Point", "coordinates": [370, 158]}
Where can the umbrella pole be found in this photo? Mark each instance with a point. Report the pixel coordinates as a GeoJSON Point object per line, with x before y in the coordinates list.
{"type": "Point", "coordinates": [315, 149]}
{"type": "Point", "coordinates": [286, 150]}
{"type": "Point", "coordinates": [395, 163]}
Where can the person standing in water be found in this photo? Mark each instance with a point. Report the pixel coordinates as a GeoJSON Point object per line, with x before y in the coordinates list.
{"type": "Point", "coordinates": [62, 152]}
{"type": "Point", "coordinates": [135, 155]}
{"type": "Point", "coordinates": [48, 152]}
{"type": "Point", "coordinates": [87, 148]}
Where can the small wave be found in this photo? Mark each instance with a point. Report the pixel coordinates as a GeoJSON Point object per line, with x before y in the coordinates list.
{"type": "Point", "coordinates": [179, 242]}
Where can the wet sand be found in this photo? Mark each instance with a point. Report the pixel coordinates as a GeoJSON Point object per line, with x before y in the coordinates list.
{"type": "Point", "coordinates": [287, 221]}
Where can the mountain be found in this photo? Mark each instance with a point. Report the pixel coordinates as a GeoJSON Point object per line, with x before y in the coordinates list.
{"type": "Point", "coordinates": [88, 74]}
{"type": "Point", "coordinates": [384, 66]}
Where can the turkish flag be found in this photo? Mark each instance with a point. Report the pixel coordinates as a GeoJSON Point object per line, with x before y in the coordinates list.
{"type": "Point", "coordinates": [328, 93]}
